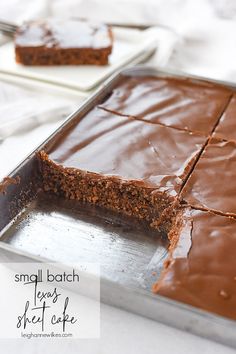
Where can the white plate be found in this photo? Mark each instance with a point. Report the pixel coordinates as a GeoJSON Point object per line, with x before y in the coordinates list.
{"type": "Point", "coordinates": [128, 45]}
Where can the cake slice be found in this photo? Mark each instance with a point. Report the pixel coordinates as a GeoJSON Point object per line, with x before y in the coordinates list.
{"type": "Point", "coordinates": [126, 165]}
{"type": "Point", "coordinates": [201, 270]}
{"type": "Point", "coordinates": [181, 103]}
{"type": "Point", "coordinates": [63, 42]}
{"type": "Point", "coordinates": [212, 184]}
{"type": "Point", "coordinates": [226, 127]}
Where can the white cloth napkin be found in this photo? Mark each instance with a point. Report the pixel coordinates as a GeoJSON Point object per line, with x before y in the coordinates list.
{"type": "Point", "coordinates": [21, 110]}
{"type": "Point", "coordinates": [27, 118]}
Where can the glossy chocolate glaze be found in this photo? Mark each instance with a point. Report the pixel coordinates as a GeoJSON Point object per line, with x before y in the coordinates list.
{"type": "Point", "coordinates": [202, 271]}
{"type": "Point", "coordinates": [227, 125]}
{"type": "Point", "coordinates": [202, 268]}
{"type": "Point", "coordinates": [212, 184]}
{"type": "Point", "coordinates": [182, 103]}
{"type": "Point", "coordinates": [54, 33]}
{"type": "Point", "coordinates": [111, 145]}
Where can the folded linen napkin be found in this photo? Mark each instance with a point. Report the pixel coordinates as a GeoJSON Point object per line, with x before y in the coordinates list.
{"type": "Point", "coordinates": [22, 110]}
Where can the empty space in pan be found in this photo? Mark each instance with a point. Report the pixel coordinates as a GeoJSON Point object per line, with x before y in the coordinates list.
{"type": "Point", "coordinates": [128, 251]}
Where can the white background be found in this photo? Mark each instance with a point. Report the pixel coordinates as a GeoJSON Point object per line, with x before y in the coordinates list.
{"type": "Point", "coordinates": [15, 294]}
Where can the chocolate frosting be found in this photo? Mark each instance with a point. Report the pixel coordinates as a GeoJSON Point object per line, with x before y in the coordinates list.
{"type": "Point", "coordinates": [55, 33]}
{"type": "Point", "coordinates": [119, 140]}
{"type": "Point", "coordinates": [183, 103]}
{"type": "Point", "coordinates": [226, 128]}
{"type": "Point", "coordinates": [212, 184]}
{"type": "Point", "coordinates": [111, 145]}
{"type": "Point", "coordinates": [202, 271]}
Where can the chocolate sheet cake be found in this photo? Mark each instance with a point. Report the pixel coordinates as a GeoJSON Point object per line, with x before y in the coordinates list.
{"type": "Point", "coordinates": [183, 104]}
{"type": "Point", "coordinates": [202, 267]}
{"type": "Point", "coordinates": [212, 185]}
{"type": "Point", "coordinates": [123, 164]}
{"type": "Point", "coordinates": [226, 127]}
{"type": "Point", "coordinates": [63, 42]}
{"type": "Point", "coordinates": [156, 150]}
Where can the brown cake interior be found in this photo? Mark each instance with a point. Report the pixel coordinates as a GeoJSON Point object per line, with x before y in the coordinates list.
{"type": "Point", "coordinates": [121, 164]}
{"type": "Point", "coordinates": [121, 196]}
{"type": "Point", "coordinates": [30, 56]}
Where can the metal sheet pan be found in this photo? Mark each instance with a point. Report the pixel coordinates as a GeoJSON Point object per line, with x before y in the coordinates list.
{"type": "Point", "coordinates": [39, 227]}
